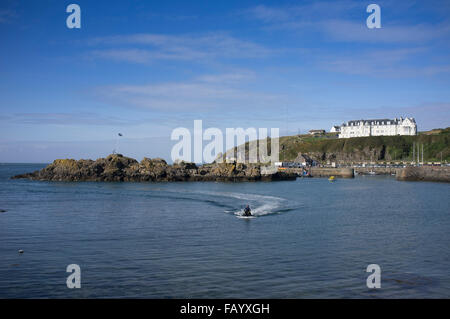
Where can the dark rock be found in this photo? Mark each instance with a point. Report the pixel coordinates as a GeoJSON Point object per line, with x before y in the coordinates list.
{"type": "Point", "coordinates": [118, 168]}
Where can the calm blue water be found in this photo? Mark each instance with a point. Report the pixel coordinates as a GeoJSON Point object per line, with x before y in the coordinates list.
{"type": "Point", "coordinates": [310, 238]}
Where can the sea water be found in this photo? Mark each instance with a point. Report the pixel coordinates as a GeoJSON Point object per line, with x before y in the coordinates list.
{"type": "Point", "coordinates": [309, 238]}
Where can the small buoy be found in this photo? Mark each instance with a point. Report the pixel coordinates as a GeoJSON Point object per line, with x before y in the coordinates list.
{"type": "Point", "coordinates": [20, 251]}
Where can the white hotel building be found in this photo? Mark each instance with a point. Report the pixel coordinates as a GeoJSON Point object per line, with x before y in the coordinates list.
{"type": "Point", "coordinates": [382, 127]}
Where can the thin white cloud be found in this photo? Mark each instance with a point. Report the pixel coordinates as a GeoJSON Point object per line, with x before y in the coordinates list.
{"type": "Point", "coordinates": [227, 78]}
{"type": "Point", "coordinates": [7, 15]}
{"type": "Point", "coordinates": [76, 118]}
{"type": "Point", "coordinates": [349, 31]}
{"type": "Point", "coordinates": [145, 48]}
{"type": "Point", "coordinates": [127, 55]}
{"type": "Point", "coordinates": [384, 63]}
{"type": "Point", "coordinates": [335, 21]}
{"type": "Point", "coordinates": [205, 93]}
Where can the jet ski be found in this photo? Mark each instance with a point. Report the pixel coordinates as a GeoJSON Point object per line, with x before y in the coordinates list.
{"type": "Point", "coordinates": [247, 211]}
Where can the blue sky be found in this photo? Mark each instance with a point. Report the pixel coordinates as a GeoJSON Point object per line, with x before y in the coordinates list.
{"type": "Point", "coordinates": [143, 68]}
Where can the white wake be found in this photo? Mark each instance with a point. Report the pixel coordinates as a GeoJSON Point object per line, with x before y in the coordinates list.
{"type": "Point", "coordinates": [260, 205]}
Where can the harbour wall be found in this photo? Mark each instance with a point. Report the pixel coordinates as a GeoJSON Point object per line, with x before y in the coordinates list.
{"type": "Point", "coordinates": [377, 170]}
{"type": "Point", "coordinates": [425, 173]}
{"type": "Point", "coordinates": [312, 171]}
{"type": "Point", "coordinates": [327, 172]}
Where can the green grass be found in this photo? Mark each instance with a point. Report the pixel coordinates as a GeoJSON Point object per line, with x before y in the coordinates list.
{"type": "Point", "coordinates": [385, 148]}
{"type": "Point", "coordinates": [393, 147]}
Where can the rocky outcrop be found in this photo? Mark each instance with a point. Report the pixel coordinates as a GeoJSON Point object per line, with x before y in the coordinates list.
{"type": "Point", "coordinates": [425, 173]}
{"type": "Point", "coordinates": [116, 167]}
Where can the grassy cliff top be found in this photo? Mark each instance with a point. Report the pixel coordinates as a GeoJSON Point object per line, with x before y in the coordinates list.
{"type": "Point", "coordinates": [436, 143]}
{"type": "Point", "coordinates": [392, 147]}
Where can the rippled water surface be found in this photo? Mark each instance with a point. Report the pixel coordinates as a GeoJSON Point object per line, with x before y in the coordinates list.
{"type": "Point", "coordinates": [309, 238]}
